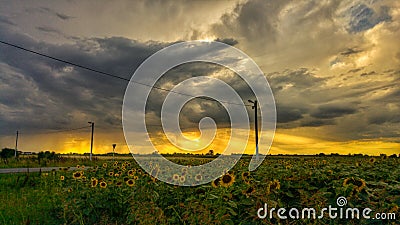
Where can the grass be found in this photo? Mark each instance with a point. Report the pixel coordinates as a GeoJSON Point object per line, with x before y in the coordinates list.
{"type": "Point", "coordinates": [280, 182]}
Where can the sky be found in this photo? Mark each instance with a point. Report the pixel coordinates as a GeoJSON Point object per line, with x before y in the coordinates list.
{"type": "Point", "coordinates": [333, 67]}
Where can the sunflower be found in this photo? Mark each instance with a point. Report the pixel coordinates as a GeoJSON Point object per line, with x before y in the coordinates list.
{"type": "Point", "coordinates": [116, 174]}
{"type": "Point", "coordinates": [119, 184]}
{"type": "Point", "coordinates": [69, 189]}
{"type": "Point", "coordinates": [273, 185]}
{"type": "Point", "coordinates": [372, 160]}
{"type": "Point", "coordinates": [182, 179]}
{"type": "Point", "coordinates": [83, 179]}
{"type": "Point", "coordinates": [94, 182]}
{"type": "Point", "coordinates": [78, 166]}
{"type": "Point", "coordinates": [104, 165]}
{"type": "Point", "coordinates": [130, 182]}
{"type": "Point", "coordinates": [250, 190]}
{"type": "Point", "coordinates": [131, 173]}
{"type": "Point", "coordinates": [245, 175]}
{"type": "Point", "coordinates": [198, 177]}
{"type": "Point", "coordinates": [227, 180]}
{"type": "Point", "coordinates": [135, 177]}
{"type": "Point", "coordinates": [111, 173]}
{"type": "Point", "coordinates": [77, 175]}
{"type": "Point", "coordinates": [103, 184]}
{"type": "Point", "coordinates": [83, 167]}
{"type": "Point", "coordinates": [175, 177]}
{"type": "Point", "coordinates": [359, 184]}
{"type": "Point", "coordinates": [216, 182]}
{"type": "Point", "coordinates": [62, 178]}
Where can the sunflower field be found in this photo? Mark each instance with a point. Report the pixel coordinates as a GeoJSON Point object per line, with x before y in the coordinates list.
{"type": "Point", "coordinates": [120, 192]}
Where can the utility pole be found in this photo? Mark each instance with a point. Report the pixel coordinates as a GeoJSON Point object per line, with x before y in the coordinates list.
{"type": "Point", "coordinates": [114, 145]}
{"type": "Point", "coordinates": [255, 124]}
{"type": "Point", "coordinates": [16, 146]}
{"type": "Point", "coordinates": [91, 141]}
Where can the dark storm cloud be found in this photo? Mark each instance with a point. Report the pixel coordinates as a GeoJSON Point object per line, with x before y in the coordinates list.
{"type": "Point", "coordinates": [43, 93]}
{"type": "Point", "coordinates": [368, 74]}
{"type": "Point", "coordinates": [351, 51]}
{"type": "Point", "coordinates": [332, 111]}
{"type": "Point", "coordinates": [316, 123]}
{"type": "Point", "coordinates": [197, 109]}
{"type": "Point", "coordinates": [384, 117]}
{"type": "Point", "coordinates": [300, 78]}
{"type": "Point", "coordinates": [355, 70]}
{"type": "Point", "coordinates": [287, 114]}
{"type": "Point", "coordinates": [363, 17]}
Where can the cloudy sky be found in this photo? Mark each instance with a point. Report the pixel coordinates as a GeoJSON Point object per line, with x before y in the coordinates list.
{"type": "Point", "coordinates": [333, 66]}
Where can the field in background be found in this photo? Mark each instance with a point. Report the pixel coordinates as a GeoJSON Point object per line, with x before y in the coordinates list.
{"type": "Point", "coordinates": [99, 196]}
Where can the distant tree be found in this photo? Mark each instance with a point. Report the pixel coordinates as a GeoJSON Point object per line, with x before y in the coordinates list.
{"type": "Point", "coordinates": [40, 156]}
{"type": "Point", "coordinates": [7, 153]}
{"type": "Point", "coordinates": [211, 152]}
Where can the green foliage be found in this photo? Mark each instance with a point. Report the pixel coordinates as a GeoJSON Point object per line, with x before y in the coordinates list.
{"type": "Point", "coordinates": [7, 153]}
{"type": "Point", "coordinates": [66, 197]}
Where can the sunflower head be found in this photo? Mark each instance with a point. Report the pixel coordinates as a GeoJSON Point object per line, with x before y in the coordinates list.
{"type": "Point", "coordinates": [130, 182]}
{"type": "Point", "coordinates": [372, 160]}
{"type": "Point", "coordinates": [245, 175]}
{"type": "Point", "coordinates": [358, 183]}
{"type": "Point", "coordinates": [215, 183]}
{"type": "Point", "coordinates": [77, 175]}
{"type": "Point", "coordinates": [103, 184]}
{"type": "Point", "coordinates": [104, 165]}
{"type": "Point", "coordinates": [250, 190]}
{"type": "Point", "coordinates": [111, 173]}
{"type": "Point", "coordinates": [274, 185]}
{"type": "Point", "coordinates": [227, 180]}
{"type": "Point", "coordinates": [62, 178]}
{"type": "Point", "coordinates": [94, 182]}
{"type": "Point", "coordinates": [119, 184]}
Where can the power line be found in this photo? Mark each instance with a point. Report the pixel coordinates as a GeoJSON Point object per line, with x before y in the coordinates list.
{"type": "Point", "coordinates": [57, 131]}
{"type": "Point", "coordinates": [112, 75]}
